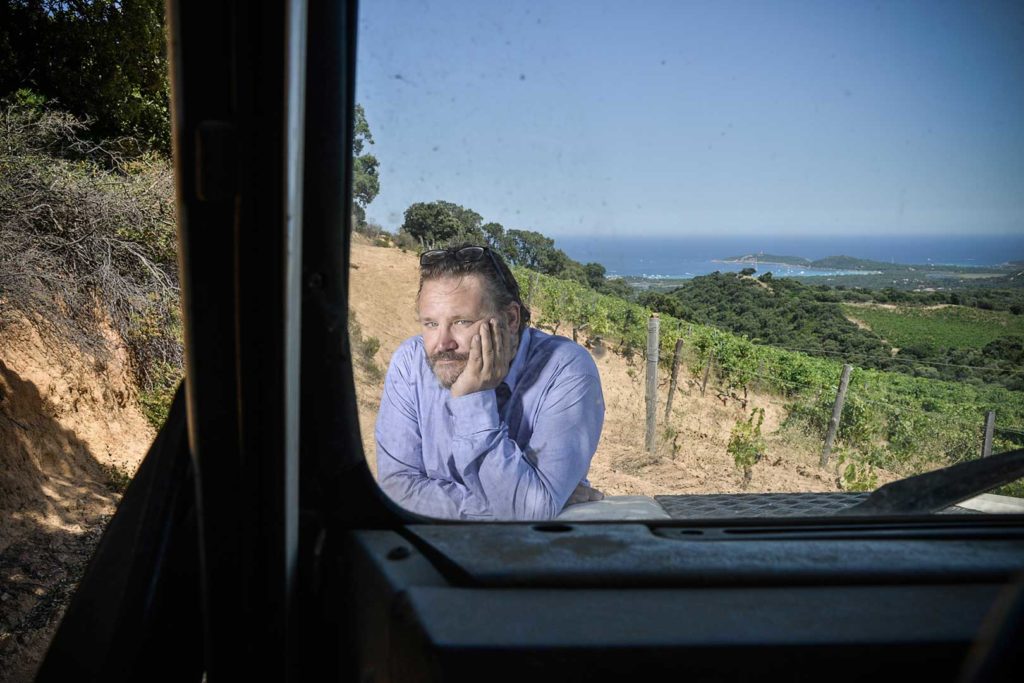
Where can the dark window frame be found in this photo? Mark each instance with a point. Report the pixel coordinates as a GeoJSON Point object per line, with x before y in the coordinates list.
{"type": "Point", "coordinates": [220, 560]}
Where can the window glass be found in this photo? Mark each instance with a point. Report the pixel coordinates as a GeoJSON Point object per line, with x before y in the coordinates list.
{"type": "Point", "coordinates": [772, 249]}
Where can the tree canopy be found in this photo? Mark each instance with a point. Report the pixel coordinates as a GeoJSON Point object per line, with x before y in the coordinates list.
{"type": "Point", "coordinates": [85, 57]}
{"type": "Point", "coordinates": [365, 177]}
{"type": "Point", "coordinates": [440, 223]}
{"type": "Point", "coordinates": [533, 250]}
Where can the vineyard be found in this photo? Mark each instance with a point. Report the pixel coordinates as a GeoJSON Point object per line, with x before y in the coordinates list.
{"type": "Point", "coordinates": [903, 423]}
{"type": "Point", "coordinates": [954, 327]}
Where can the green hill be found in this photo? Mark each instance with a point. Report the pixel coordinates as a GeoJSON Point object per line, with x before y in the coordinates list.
{"type": "Point", "coordinates": [851, 263]}
{"type": "Point", "coordinates": [956, 343]}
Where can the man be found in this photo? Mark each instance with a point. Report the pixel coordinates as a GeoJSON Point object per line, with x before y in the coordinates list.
{"type": "Point", "coordinates": [483, 417]}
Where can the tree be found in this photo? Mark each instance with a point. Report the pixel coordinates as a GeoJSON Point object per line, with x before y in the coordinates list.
{"type": "Point", "coordinates": [595, 273]}
{"type": "Point", "coordinates": [441, 223]}
{"type": "Point", "coordinates": [365, 178]}
{"type": "Point", "coordinates": [501, 242]}
{"type": "Point", "coordinates": [618, 287]}
{"type": "Point", "coordinates": [73, 54]}
{"type": "Point", "coordinates": [537, 252]}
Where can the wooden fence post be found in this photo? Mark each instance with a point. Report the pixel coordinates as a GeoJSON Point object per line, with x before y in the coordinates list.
{"type": "Point", "coordinates": [653, 325]}
{"type": "Point", "coordinates": [707, 371]}
{"type": "Point", "coordinates": [677, 357]}
{"type": "Point", "coordinates": [837, 412]}
{"type": "Point", "coordinates": [990, 429]}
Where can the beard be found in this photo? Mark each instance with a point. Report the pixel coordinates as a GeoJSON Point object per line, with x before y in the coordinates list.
{"type": "Point", "coordinates": [448, 372]}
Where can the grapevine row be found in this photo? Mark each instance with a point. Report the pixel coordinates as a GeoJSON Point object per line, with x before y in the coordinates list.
{"type": "Point", "coordinates": [897, 419]}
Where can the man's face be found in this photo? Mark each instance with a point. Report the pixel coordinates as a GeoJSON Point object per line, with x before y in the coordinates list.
{"type": "Point", "coordinates": [450, 312]}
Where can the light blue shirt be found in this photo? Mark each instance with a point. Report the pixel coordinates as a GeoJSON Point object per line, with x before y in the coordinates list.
{"type": "Point", "coordinates": [468, 458]}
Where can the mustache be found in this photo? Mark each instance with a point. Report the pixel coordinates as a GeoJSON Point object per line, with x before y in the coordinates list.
{"type": "Point", "coordinates": [448, 355]}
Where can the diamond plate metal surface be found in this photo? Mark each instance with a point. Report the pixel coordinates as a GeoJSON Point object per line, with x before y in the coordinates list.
{"type": "Point", "coordinates": [724, 505]}
{"type": "Point", "coordinates": [735, 505]}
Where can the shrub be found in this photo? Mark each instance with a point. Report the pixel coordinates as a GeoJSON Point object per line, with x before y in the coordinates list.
{"type": "Point", "coordinates": [363, 350]}
{"type": "Point", "coordinates": [855, 474]}
{"type": "Point", "coordinates": [746, 445]}
{"type": "Point", "coordinates": [407, 242]}
{"type": "Point", "coordinates": [87, 239]}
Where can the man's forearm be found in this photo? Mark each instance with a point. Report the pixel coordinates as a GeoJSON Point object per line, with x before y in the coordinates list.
{"type": "Point", "coordinates": [534, 484]}
{"type": "Point", "coordinates": [432, 497]}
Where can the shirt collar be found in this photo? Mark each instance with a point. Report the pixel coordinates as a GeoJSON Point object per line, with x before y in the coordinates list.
{"type": "Point", "coordinates": [520, 359]}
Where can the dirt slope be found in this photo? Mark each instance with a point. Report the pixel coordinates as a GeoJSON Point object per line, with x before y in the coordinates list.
{"type": "Point", "coordinates": [692, 459]}
{"type": "Point", "coordinates": [68, 421]}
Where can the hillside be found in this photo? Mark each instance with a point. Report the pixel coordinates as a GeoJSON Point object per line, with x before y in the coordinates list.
{"type": "Point", "coordinates": [780, 312]}
{"type": "Point", "coordinates": [692, 455]}
{"type": "Point", "coordinates": [852, 263]}
{"type": "Point", "coordinates": [71, 434]}
{"type": "Point", "coordinates": [921, 338]}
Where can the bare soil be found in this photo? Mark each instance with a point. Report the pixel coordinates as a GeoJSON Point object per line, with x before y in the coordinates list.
{"type": "Point", "coordinates": [69, 430]}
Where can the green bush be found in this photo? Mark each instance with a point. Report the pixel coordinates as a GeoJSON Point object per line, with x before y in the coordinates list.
{"type": "Point", "coordinates": [855, 474]}
{"type": "Point", "coordinates": [746, 445]}
{"type": "Point", "coordinates": [407, 242]}
{"type": "Point", "coordinates": [364, 350]}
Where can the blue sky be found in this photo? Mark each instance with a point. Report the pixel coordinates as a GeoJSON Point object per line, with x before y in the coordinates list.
{"type": "Point", "coordinates": [699, 118]}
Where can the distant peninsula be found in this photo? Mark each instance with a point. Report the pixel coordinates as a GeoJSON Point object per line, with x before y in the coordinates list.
{"type": "Point", "coordinates": [867, 273]}
{"type": "Point", "coordinates": [767, 258]}
{"type": "Point", "coordinates": [827, 263]}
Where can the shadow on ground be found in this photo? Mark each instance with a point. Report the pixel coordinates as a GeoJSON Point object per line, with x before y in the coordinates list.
{"type": "Point", "coordinates": [55, 499]}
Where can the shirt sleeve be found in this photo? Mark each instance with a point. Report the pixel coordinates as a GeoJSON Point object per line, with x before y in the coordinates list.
{"type": "Point", "coordinates": [537, 482]}
{"type": "Point", "coordinates": [400, 469]}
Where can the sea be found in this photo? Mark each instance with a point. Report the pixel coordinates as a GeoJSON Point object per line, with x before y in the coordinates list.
{"type": "Point", "coordinates": [687, 257]}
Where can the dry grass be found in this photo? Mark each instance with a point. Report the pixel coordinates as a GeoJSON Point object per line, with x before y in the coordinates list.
{"type": "Point", "coordinates": [86, 240]}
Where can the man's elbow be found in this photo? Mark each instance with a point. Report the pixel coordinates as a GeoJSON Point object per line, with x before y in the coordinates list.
{"type": "Point", "coordinates": [541, 508]}
{"type": "Point", "coordinates": [396, 487]}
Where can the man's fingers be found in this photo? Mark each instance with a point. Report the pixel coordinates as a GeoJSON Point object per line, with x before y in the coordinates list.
{"type": "Point", "coordinates": [578, 496]}
{"type": "Point", "coordinates": [474, 354]}
{"type": "Point", "coordinates": [584, 494]}
{"type": "Point", "coordinates": [486, 349]}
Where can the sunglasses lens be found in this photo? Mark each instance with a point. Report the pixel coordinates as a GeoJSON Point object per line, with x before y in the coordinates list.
{"type": "Point", "coordinates": [464, 255]}
{"type": "Point", "coordinates": [429, 258]}
{"type": "Point", "coordinates": [469, 254]}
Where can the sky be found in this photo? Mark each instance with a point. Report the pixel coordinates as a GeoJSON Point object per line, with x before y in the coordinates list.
{"type": "Point", "coordinates": [697, 118]}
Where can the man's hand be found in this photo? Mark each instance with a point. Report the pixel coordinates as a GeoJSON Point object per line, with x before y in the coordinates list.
{"type": "Point", "coordinates": [584, 494]}
{"type": "Point", "coordinates": [490, 355]}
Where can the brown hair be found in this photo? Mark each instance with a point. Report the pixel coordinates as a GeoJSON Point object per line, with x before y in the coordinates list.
{"type": "Point", "coordinates": [499, 293]}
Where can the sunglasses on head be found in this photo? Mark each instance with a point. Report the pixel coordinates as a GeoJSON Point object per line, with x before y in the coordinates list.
{"type": "Point", "coordinates": [463, 255]}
